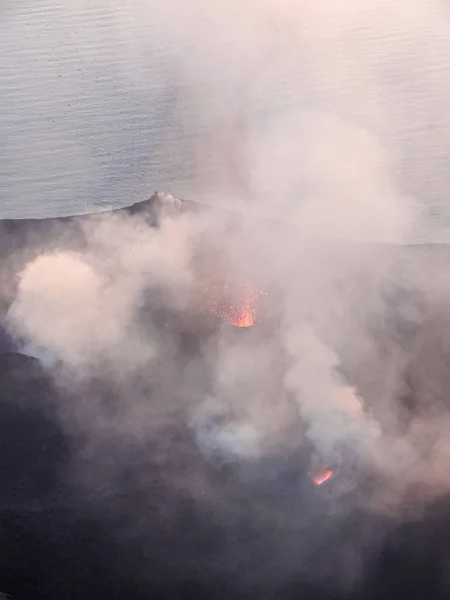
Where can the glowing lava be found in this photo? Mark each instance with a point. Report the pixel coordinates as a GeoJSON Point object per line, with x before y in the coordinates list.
{"type": "Point", "coordinates": [323, 476]}
{"type": "Point", "coordinates": [245, 317]}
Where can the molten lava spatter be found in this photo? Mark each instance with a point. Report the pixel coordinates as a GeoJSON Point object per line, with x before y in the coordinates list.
{"type": "Point", "coordinates": [323, 476]}
{"type": "Point", "coordinates": [245, 315]}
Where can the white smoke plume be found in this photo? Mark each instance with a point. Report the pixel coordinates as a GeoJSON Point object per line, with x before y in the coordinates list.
{"type": "Point", "coordinates": [331, 374]}
{"type": "Point", "coordinates": [321, 164]}
{"type": "Point", "coordinates": [94, 296]}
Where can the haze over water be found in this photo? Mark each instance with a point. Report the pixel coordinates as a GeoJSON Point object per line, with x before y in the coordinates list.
{"type": "Point", "coordinates": [97, 111]}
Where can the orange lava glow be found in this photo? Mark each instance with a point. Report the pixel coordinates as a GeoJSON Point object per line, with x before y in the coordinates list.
{"type": "Point", "coordinates": [245, 316]}
{"type": "Point", "coordinates": [322, 477]}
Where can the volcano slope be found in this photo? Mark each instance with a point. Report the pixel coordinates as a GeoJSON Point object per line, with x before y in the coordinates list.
{"type": "Point", "coordinates": [107, 492]}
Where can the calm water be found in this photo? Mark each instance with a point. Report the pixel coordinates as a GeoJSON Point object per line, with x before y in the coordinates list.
{"type": "Point", "coordinates": [96, 110]}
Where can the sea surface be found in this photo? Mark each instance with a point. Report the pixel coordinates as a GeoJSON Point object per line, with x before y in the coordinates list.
{"type": "Point", "coordinates": [99, 107]}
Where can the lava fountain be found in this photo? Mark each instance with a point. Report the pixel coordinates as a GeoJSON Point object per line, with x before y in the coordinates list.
{"type": "Point", "coordinates": [245, 315]}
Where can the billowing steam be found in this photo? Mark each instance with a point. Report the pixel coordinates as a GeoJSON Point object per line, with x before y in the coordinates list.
{"type": "Point", "coordinates": [317, 167]}
{"type": "Point", "coordinates": [94, 296]}
{"type": "Point", "coordinates": [332, 409]}
{"type": "Point", "coordinates": [329, 371]}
